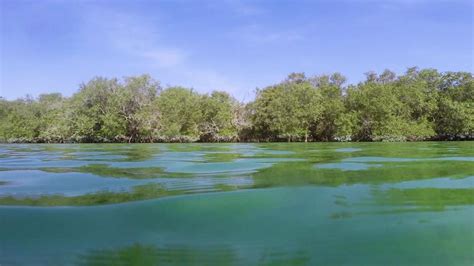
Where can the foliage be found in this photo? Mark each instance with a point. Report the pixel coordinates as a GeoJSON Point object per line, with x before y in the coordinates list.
{"type": "Point", "coordinates": [287, 110]}
{"type": "Point", "coordinates": [418, 105]}
{"type": "Point", "coordinates": [179, 109]}
{"type": "Point", "coordinates": [332, 124]}
{"type": "Point", "coordinates": [217, 121]}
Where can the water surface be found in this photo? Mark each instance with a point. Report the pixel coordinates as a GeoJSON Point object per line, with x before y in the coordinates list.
{"type": "Point", "coordinates": [237, 204]}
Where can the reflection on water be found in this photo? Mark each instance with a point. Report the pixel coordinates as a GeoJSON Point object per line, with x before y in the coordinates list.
{"type": "Point", "coordinates": [238, 204]}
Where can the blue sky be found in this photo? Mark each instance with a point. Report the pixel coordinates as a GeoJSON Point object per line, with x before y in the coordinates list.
{"type": "Point", "coordinates": [236, 46]}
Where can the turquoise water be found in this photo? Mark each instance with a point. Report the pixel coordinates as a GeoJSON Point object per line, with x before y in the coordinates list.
{"type": "Point", "coordinates": [238, 204]}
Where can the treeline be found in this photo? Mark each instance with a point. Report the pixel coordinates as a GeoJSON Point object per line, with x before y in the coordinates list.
{"type": "Point", "coordinates": [419, 105]}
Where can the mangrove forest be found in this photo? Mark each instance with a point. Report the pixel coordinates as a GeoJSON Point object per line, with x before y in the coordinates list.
{"type": "Point", "coordinates": [421, 104]}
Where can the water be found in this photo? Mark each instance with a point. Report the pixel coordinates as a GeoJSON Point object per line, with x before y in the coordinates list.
{"type": "Point", "coordinates": [237, 204]}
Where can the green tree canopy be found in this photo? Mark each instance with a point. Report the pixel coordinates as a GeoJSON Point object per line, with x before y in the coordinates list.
{"type": "Point", "coordinates": [421, 104]}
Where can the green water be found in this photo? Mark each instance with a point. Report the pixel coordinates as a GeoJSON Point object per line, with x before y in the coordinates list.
{"type": "Point", "coordinates": [237, 204]}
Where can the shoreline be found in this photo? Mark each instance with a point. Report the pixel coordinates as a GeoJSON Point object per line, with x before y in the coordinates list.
{"type": "Point", "coordinates": [234, 142]}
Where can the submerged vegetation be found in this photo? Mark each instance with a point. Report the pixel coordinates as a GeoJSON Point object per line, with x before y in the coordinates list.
{"type": "Point", "coordinates": [138, 254]}
{"type": "Point", "coordinates": [419, 105]}
{"type": "Point", "coordinates": [434, 198]}
{"type": "Point", "coordinates": [143, 192]}
{"type": "Point", "coordinates": [107, 171]}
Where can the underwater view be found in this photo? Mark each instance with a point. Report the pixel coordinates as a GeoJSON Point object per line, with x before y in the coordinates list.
{"type": "Point", "coordinates": [237, 204]}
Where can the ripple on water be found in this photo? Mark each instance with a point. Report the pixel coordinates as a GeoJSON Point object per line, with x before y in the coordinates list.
{"type": "Point", "coordinates": [348, 149]}
{"type": "Point", "coordinates": [396, 159]}
{"type": "Point", "coordinates": [347, 166]}
{"type": "Point", "coordinates": [27, 183]}
{"type": "Point", "coordinates": [441, 182]}
{"type": "Point", "coordinates": [176, 164]}
{"type": "Point", "coordinates": [458, 158]}
{"type": "Point", "coordinates": [369, 159]}
{"type": "Point", "coordinates": [32, 183]}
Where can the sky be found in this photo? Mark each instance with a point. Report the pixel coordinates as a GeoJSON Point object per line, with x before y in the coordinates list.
{"type": "Point", "coordinates": [236, 46]}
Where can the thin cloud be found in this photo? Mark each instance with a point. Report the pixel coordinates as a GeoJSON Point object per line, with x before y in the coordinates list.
{"type": "Point", "coordinates": [164, 57]}
{"type": "Point", "coordinates": [129, 35]}
{"type": "Point", "coordinates": [258, 35]}
{"type": "Point", "coordinates": [136, 37]}
{"type": "Point", "coordinates": [244, 8]}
